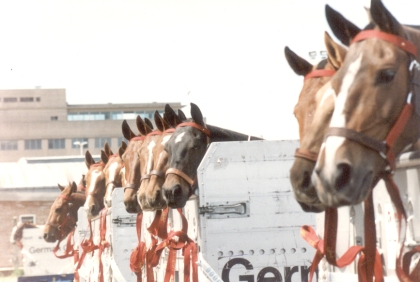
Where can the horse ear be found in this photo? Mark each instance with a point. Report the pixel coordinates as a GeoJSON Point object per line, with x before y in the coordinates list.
{"type": "Point", "coordinates": [299, 65]}
{"type": "Point", "coordinates": [104, 157]}
{"type": "Point", "coordinates": [196, 114]}
{"type": "Point", "coordinates": [336, 52]}
{"type": "Point", "coordinates": [181, 115]}
{"type": "Point", "coordinates": [148, 122]}
{"type": "Point", "coordinates": [142, 126]}
{"type": "Point", "coordinates": [383, 18]}
{"type": "Point", "coordinates": [342, 28]}
{"type": "Point", "coordinates": [171, 116]}
{"type": "Point", "coordinates": [88, 159]}
{"type": "Point", "coordinates": [83, 181]}
{"type": "Point", "coordinates": [122, 148]}
{"type": "Point", "coordinates": [73, 187]}
{"type": "Point", "coordinates": [61, 187]}
{"type": "Point", "coordinates": [158, 121]}
{"type": "Point", "coordinates": [107, 149]}
{"type": "Point", "coordinates": [127, 132]}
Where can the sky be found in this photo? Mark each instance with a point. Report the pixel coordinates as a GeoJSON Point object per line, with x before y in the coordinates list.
{"type": "Point", "coordinates": [226, 56]}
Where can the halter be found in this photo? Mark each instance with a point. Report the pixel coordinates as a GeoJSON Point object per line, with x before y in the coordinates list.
{"type": "Point", "coordinates": [319, 73]}
{"type": "Point", "coordinates": [180, 173]}
{"type": "Point", "coordinates": [385, 147]}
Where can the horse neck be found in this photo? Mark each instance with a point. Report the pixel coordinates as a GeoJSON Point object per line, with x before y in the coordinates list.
{"type": "Point", "coordinates": [218, 134]}
{"type": "Point", "coordinates": [78, 200]}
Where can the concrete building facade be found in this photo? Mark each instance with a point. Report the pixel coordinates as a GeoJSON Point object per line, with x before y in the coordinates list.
{"type": "Point", "coordinates": [40, 123]}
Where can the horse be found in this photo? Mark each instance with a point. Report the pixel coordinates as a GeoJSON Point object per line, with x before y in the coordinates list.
{"type": "Point", "coordinates": [310, 99]}
{"type": "Point", "coordinates": [373, 120]}
{"type": "Point", "coordinates": [150, 197]}
{"type": "Point", "coordinates": [95, 184]}
{"type": "Point", "coordinates": [131, 160]}
{"type": "Point", "coordinates": [185, 149]}
{"type": "Point", "coordinates": [114, 172]}
{"type": "Point", "coordinates": [62, 218]}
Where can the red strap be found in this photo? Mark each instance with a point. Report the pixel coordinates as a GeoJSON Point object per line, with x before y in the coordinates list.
{"type": "Point", "coordinates": [306, 154]}
{"type": "Point", "coordinates": [102, 243]}
{"type": "Point", "coordinates": [69, 252]}
{"type": "Point", "coordinates": [391, 38]}
{"type": "Point", "coordinates": [138, 138]}
{"type": "Point", "coordinates": [197, 126]}
{"type": "Point", "coordinates": [154, 133]}
{"type": "Point", "coordinates": [319, 73]}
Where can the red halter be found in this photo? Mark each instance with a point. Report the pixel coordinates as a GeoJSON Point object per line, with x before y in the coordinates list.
{"type": "Point", "coordinates": [319, 73]}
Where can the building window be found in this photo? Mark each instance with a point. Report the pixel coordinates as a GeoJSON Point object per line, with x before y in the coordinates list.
{"type": "Point", "coordinates": [10, 99]}
{"type": "Point", "coordinates": [34, 144]}
{"type": "Point", "coordinates": [26, 99]}
{"type": "Point", "coordinates": [30, 218]}
{"type": "Point", "coordinates": [54, 118]}
{"type": "Point", "coordinates": [6, 145]}
{"type": "Point", "coordinates": [38, 99]}
{"type": "Point", "coordinates": [56, 144]}
{"type": "Point", "coordinates": [100, 142]}
{"type": "Point", "coordinates": [81, 141]}
{"type": "Point", "coordinates": [120, 139]}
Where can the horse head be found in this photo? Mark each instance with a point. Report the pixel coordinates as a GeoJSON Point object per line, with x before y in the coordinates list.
{"type": "Point", "coordinates": [131, 161]}
{"type": "Point", "coordinates": [372, 120]}
{"type": "Point", "coordinates": [95, 185]}
{"type": "Point", "coordinates": [311, 98]}
{"type": "Point", "coordinates": [152, 198]}
{"type": "Point", "coordinates": [63, 213]}
{"type": "Point", "coordinates": [114, 173]}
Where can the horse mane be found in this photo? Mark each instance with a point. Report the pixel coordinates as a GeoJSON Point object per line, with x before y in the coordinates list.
{"type": "Point", "coordinates": [221, 134]}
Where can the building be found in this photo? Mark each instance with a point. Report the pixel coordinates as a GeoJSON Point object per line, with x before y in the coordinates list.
{"type": "Point", "coordinates": [40, 123]}
{"type": "Point", "coordinates": [41, 140]}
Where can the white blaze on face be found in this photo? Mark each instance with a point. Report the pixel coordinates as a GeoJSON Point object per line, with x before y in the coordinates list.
{"type": "Point", "coordinates": [164, 140]}
{"type": "Point", "coordinates": [150, 156]}
{"type": "Point", "coordinates": [112, 174]}
{"type": "Point", "coordinates": [94, 176]}
{"type": "Point", "coordinates": [338, 119]}
{"type": "Point", "coordinates": [179, 137]}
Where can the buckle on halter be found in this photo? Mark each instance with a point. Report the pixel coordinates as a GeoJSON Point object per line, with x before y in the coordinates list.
{"type": "Point", "coordinates": [414, 64]}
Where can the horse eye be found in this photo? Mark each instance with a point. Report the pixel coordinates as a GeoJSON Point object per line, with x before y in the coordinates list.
{"type": "Point", "coordinates": [58, 210]}
{"type": "Point", "coordinates": [385, 76]}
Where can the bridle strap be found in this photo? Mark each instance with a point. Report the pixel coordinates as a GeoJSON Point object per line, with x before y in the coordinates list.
{"type": "Point", "coordinates": [306, 154]}
{"type": "Point", "coordinates": [146, 176]}
{"type": "Point", "coordinates": [359, 138]}
{"type": "Point", "coordinates": [158, 173]}
{"type": "Point", "coordinates": [97, 165]}
{"type": "Point", "coordinates": [203, 129]}
{"type": "Point", "coordinates": [391, 38]}
{"type": "Point", "coordinates": [180, 174]}
{"type": "Point", "coordinates": [154, 133]}
{"type": "Point", "coordinates": [169, 130]}
{"type": "Point", "coordinates": [137, 138]}
{"type": "Point", "coordinates": [130, 186]}
{"type": "Point", "coordinates": [319, 73]}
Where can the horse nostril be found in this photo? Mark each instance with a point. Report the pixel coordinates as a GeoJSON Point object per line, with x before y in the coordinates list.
{"type": "Point", "coordinates": [45, 236]}
{"type": "Point", "coordinates": [343, 176]}
{"type": "Point", "coordinates": [306, 181]}
{"type": "Point", "coordinates": [177, 191]}
{"type": "Point", "coordinates": [92, 209]}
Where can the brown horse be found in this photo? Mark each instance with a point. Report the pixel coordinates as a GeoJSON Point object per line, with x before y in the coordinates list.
{"type": "Point", "coordinates": [185, 149]}
{"type": "Point", "coordinates": [114, 173]}
{"type": "Point", "coordinates": [63, 213]}
{"type": "Point", "coordinates": [95, 185]}
{"type": "Point", "coordinates": [311, 97]}
{"type": "Point", "coordinates": [131, 159]}
{"type": "Point", "coordinates": [151, 197]}
{"type": "Point", "coordinates": [372, 120]}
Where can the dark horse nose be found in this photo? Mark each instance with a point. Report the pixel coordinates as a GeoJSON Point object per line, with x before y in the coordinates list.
{"type": "Point", "coordinates": [49, 237]}
{"type": "Point", "coordinates": [174, 193]}
{"type": "Point", "coordinates": [92, 209]}
{"type": "Point", "coordinates": [342, 176]}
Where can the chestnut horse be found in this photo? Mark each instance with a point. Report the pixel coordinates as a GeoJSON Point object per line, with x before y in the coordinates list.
{"type": "Point", "coordinates": [185, 149]}
{"type": "Point", "coordinates": [62, 218]}
{"type": "Point", "coordinates": [373, 119]}
{"type": "Point", "coordinates": [95, 185]}
{"type": "Point", "coordinates": [131, 160]}
{"type": "Point", "coordinates": [151, 197]}
{"type": "Point", "coordinates": [311, 97]}
{"type": "Point", "coordinates": [114, 172]}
